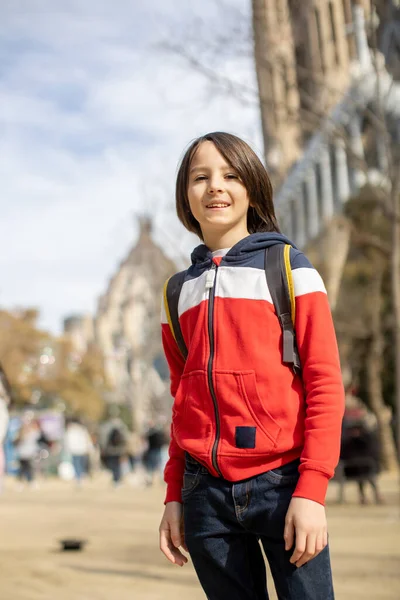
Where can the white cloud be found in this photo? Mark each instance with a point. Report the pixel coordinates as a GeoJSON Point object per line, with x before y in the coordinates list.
{"type": "Point", "coordinates": [93, 119]}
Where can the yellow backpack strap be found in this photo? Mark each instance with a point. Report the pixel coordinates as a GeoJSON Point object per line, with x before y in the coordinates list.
{"type": "Point", "coordinates": [289, 279]}
{"type": "Point", "coordinates": [166, 306]}
{"type": "Point", "coordinates": [280, 284]}
{"type": "Point", "coordinates": [172, 290]}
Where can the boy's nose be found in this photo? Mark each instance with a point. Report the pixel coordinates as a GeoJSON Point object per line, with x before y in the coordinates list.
{"type": "Point", "coordinates": [215, 187]}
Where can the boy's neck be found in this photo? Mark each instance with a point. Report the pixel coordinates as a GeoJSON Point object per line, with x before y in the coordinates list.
{"type": "Point", "coordinates": [218, 240]}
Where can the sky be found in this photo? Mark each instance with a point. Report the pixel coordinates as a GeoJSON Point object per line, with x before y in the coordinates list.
{"type": "Point", "coordinates": [96, 109]}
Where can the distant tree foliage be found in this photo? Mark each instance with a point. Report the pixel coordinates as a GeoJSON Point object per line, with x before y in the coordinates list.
{"type": "Point", "coordinates": [369, 252]}
{"type": "Point", "coordinates": [45, 372]}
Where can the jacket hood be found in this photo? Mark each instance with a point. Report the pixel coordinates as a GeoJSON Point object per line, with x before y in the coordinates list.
{"type": "Point", "coordinates": [252, 243]}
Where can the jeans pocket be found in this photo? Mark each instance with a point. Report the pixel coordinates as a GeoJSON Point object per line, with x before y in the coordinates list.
{"type": "Point", "coordinates": [288, 473]}
{"type": "Point", "coordinates": [190, 482]}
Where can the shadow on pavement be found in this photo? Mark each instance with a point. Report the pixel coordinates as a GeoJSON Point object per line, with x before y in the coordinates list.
{"type": "Point", "coordinates": [132, 573]}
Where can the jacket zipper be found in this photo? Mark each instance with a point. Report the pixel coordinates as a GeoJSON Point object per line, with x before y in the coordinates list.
{"type": "Point", "coordinates": [210, 285]}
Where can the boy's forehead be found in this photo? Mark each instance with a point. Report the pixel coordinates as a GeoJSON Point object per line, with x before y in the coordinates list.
{"type": "Point", "coordinates": [205, 154]}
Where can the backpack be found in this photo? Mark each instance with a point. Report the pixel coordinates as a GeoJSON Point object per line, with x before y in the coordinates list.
{"type": "Point", "coordinates": [115, 438]}
{"type": "Point", "coordinates": [280, 283]}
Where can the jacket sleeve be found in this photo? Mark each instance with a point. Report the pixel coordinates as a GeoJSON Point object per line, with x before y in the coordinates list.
{"type": "Point", "coordinates": [322, 381]}
{"type": "Point", "coordinates": [173, 473]}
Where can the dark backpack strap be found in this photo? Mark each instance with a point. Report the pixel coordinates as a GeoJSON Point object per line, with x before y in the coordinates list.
{"type": "Point", "coordinates": [275, 272]}
{"type": "Point", "coordinates": [172, 293]}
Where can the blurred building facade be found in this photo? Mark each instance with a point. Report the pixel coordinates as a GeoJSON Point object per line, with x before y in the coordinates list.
{"type": "Point", "coordinates": [322, 67]}
{"type": "Point", "coordinates": [127, 329]}
{"type": "Point", "coordinates": [389, 34]}
{"type": "Point", "coordinates": [79, 331]}
{"type": "Point", "coordinates": [307, 55]}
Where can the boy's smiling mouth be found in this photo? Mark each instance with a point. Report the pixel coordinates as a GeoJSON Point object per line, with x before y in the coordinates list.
{"type": "Point", "coordinates": [214, 205]}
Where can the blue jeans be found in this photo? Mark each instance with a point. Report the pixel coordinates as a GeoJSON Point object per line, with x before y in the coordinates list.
{"type": "Point", "coordinates": [113, 463]}
{"type": "Point", "coordinates": [79, 463]}
{"type": "Point", "coordinates": [224, 523]}
{"type": "Point", "coordinates": [26, 470]}
{"type": "Point", "coordinates": [153, 459]}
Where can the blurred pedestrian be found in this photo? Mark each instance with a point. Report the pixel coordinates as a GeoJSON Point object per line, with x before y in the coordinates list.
{"type": "Point", "coordinates": [134, 449]}
{"type": "Point", "coordinates": [79, 445]}
{"type": "Point", "coordinates": [27, 445]}
{"type": "Point", "coordinates": [152, 458]}
{"type": "Point", "coordinates": [5, 399]}
{"type": "Point", "coordinates": [360, 458]}
{"type": "Point", "coordinates": [113, 437]}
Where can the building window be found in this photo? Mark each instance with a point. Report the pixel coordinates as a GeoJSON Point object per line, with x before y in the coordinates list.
{"type": "Point", "coordinates": [321, 45]}
{"type": "Point", "coordinates": [348, 20]}
{"type": "Point", "coordinates": [347, 12]}
{"type": "Point", "coordinates": [333, 32]}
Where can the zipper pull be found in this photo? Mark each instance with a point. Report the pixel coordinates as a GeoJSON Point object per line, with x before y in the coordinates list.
{"type": "Point", "coordinates": [210, 278]}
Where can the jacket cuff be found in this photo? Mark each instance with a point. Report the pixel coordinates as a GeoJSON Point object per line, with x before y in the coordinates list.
{"type": "Point", "coordinates": [174, 492]}
{"type": "Point", "coordinates": [312, 485]}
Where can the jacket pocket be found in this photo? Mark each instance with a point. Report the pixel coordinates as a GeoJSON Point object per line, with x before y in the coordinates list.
{"type": "Point", "coordinates": [190, 418]}
{"type": "Point", "coordinates": [246, 424]}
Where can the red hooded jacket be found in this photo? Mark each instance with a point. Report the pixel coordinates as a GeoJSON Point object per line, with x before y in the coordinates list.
{"type": "Point", "coordinates": [237, 408]}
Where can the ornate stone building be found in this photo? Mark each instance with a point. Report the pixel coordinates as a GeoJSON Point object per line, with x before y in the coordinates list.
{"type": "Point", "coordinates": [78, 329]}
{"type": "Point", "coordinates": [307, 52]}
{"type": "Point", "coordinates": [326, 72]}
{"type": "Point", "coordinates": [127, 328]}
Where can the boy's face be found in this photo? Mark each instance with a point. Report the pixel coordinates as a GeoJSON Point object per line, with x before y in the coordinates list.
{"type": "Point", "coordinates": [217, 198]}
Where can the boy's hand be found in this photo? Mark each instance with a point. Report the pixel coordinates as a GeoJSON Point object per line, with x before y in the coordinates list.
{"type": "Point", "coordinates": [305, 522]}
{"type": "Point", "coordinates": [171, 533]}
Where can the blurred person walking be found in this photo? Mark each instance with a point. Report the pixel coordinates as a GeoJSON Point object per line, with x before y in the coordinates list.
{"type": "Point", "coordinates": [360, 457]}
{"type": "Point", "coordinates": [113, 438]}
{"type": "Point", "coordinates": [135, 448]}
{"type": "Point", "coordinates": [27, 446]}
{"type": "Point", "coordinates": [79, 445]}
{"type": "Point", "coordinates": [5, 399]}
{"type": "Point", "coordinates": [360, 450]}
{"type": "Point", "coordinates": [156, 440]}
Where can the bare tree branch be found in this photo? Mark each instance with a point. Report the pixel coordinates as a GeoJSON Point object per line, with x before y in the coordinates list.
{"type": "Point", "coordinates": [371, 241]}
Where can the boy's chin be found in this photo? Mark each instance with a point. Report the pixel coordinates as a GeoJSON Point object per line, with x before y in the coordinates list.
{"type": "Point", "coordinates": [218, 222]}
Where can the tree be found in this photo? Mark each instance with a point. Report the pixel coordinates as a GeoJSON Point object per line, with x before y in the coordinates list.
{"type": "Point", "coordinates": [363, 317]}
{"type": "Point", "coordinates": [45, 372]}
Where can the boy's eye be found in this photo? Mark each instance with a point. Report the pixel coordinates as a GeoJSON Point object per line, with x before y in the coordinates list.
{"type": "Point", "coordinates": [227, 176]}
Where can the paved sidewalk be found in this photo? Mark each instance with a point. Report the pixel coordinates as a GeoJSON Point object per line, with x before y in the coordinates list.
{"type": "Point", "coordinates": [121, 560]}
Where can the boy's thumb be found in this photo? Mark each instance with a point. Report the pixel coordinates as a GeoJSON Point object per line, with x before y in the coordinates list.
{"type": "Point", "coordinates": [288, 535]}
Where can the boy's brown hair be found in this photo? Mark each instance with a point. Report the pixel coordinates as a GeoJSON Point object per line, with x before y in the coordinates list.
{"type": "Point", "coordinates": [239, 155]}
